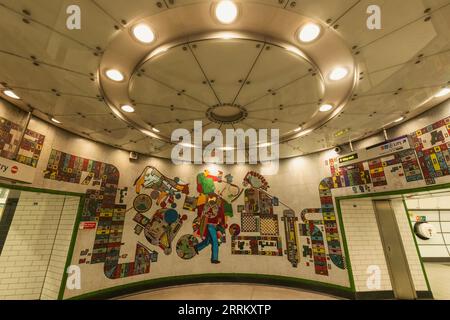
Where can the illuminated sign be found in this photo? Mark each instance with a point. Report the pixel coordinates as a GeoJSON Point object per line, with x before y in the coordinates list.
{"type": "Point", "coordinates": [379, 150]}
{"type": "Point", "coordinates": [348, 158]}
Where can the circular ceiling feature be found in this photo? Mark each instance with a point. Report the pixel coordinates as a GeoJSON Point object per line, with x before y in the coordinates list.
{"type": "Point", "coordinates": [226, 114]}
{"type": "Point", "coordinates": [217, 82]}
{"type": "Point", "coordinates": [399, 119]}
{"type": "Point", "coordinates": [264, 69]}
{"type": "Point", "coordinates": [156, 130]}
{"type": "Point", "coordinates": [326, 107]}
{"type": "Point", "coordinates": [115, 75]}
{"type": "Point", "coordinates": [226, 11]}
{"type": "Point", "coordinates": [338, 73]}
{"type": "Point", "coordinates": [143, 33]}
{"type": "Point", "coordinates": [298, 129]}
{"type": "Point", "coordinates": [11, 94]}
{"type": "Point", "coordinates": [127, 108]}
{"type": "Point", "coordinates": [443, 92]}
{"type": "Point", "coordinates": [158, 92]}
{"type": "Point", "coordinates": [309, 32]}
{"type": "Point", "coordinates": [56, 121]}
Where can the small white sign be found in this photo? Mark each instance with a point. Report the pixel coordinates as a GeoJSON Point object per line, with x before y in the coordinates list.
{"type": "Point", "coordinates": [16, 171]}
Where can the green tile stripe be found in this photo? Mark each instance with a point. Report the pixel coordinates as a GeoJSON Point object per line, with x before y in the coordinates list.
{"type": "Point", "coordinates": [75, 228]}
{"type": "Point", "coordinates": [214, 278]}
{"type": "Point", "coordinates": [393, 193]}
{"type": "Point", "coordinates": [417, 246]}
{"type": "Point", "coordinates": [344, 241]}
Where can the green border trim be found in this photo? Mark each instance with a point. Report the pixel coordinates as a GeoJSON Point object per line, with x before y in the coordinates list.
{"type": "Point", "coordinates": [341, 291]}
{"type": "Point", "coordinates": [40, 190]}
{"type": "Point", "coordinates": [71, 247]}
{"type": "Point", "coordinates": [131, 288]}
{"type": "Point", "coordinates": [344, 242]}
{"type": "Point", "coordinates": [417, 246]}
{"type": "Point", "coordinates": [82, 197]}
{"type": "Point", "coordinates": [395, 192]}
{"type": "Point", "coordinates": [391, 193]}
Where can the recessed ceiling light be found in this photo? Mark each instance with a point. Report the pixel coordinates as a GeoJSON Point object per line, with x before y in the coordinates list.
{"type": "Point", "coordinates": [56, 121]}
{"type": "Point", "coordinates": [325, 107]}
{"type": "Point", "coordinates": [309, 32]}
{"type": "Point", "coordinates": [127, 108]}
{"type": "Point", "coordinates": [443, 92]}
{"type": "Point", "coordinates": [298, 129]}
{"type": "Point", "coordinates": [399, 119]}
{"type": "Point", "coordinates": [115, 75]}
{"type": "Point", "coordinates": [338, 73]}
{"type": "Point", "coordinates": [143, 33]}
{"type": "Point", "coordinates": [156, 130]}
{"type": "Point", "coordinates": [11, 94]}
{"type": "Point", "coordinates": [226, 11]}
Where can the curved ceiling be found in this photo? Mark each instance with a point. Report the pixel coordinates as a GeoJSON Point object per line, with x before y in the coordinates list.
{"type": "Point", "coordinates": [253, 73]}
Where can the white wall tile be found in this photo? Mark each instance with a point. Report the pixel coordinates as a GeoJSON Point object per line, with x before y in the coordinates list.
{"type": "Point", "coordinates": [29, 248]}
{"type": "Point", "coordinates": [364, 242]}
{"type": "Point", "coordinates": [366, 248]}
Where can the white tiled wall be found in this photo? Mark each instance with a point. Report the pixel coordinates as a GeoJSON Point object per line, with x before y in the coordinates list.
{"type": "Point", "coordinates": [31, 256]}
{"type": "Point", "coordinates": [436, 209]}
{"type": "Point", "coordinates": [412, 256]}
{"type": "Point", "coordinates": [432, 202]}
{"type": "Point", "coordinates": [365, 246]}
{"type": "Point", "coordinates": [364, 243]}
{"type": "Point", "coordinates": [59, 253]}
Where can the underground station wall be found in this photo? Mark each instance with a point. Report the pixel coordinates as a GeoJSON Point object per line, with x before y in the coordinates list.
{"type": "Point", "coordinates": [149, 223]}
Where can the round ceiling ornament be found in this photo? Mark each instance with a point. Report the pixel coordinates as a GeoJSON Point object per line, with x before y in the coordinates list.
{"type": "Point", "coordinates": [274, 44]}
{"type": "Point", "coordinates": [226, 114]}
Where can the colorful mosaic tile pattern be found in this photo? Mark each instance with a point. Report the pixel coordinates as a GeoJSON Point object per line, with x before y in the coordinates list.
{"type": "Point", "coordinates": [291, 234]}
{"type": "Point", "coordinates": [249, 223]}
{"type": "Point", "coordinates": [256, 245]}
{"type": "Point", "coordinates": [432, 145]}
{"type": "Point", "coordinates": [318, 250]}
{"type": "Point", "coordinates": [268, 225]}
{"type": "Point", "coordinates": [30, 148]}
{"type": "Point", "coordinates": [100, 206]}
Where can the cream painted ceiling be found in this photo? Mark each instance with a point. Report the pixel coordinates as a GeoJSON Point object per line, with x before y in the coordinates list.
{"type": "Point", "coordinates": [54, 70]}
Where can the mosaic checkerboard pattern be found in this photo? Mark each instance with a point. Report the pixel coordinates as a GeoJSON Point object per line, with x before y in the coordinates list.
{"type": "Point", "coordinates": [269, 225]}
{"type": "Point", "coordinates": [249, 223]}
{"type": "Point", "coordinates": [30, 148]}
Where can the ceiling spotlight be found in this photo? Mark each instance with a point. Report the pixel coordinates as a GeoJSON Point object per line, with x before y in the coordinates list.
{"type": "Point", "coordinates": [226, 11]}
{"type": "Point", "coordinates": [443, 92]}
{"type": "Point", "coordinates": [338, 73]}
{"type": "Point", "coordinates": [399, 119]}
{"type": "Point", "coordinates": [115, 75]}
{"type": "Point", "coordinates": [325, 107]}
{"type": "Point", "coordinates": [11, 94]}
{"type": "Point", "coordinates": [156, 130]}
{"type": "Point", "coordinates": [298, 129]}
{"type": "Point", "coordinates": [143, 33]}
{"type": "Point", "coordinates": [55, 121]}
{"type": "Point", "coordinates": [309, 32]}
{"type": "Point", "coordinates": [127, 108]}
